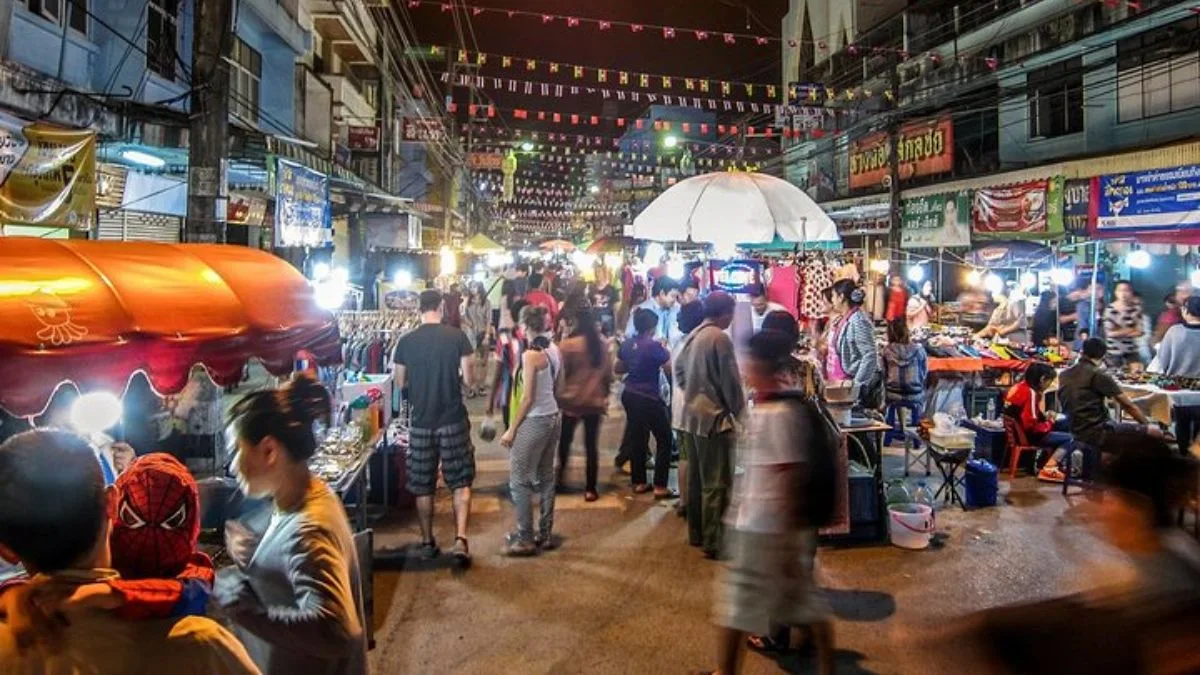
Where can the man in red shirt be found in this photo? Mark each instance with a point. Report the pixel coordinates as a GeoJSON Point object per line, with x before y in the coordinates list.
{"type": "Point", "coordinates": [536, 295]}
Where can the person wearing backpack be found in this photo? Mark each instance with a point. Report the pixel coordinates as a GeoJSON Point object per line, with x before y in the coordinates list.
{"type": "Point", "coordinates": [905, 365]}
{"type": "Point", "coordinates": [785, 493]}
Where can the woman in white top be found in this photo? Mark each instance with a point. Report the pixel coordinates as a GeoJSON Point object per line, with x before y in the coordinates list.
{"type": "Point", "coordinates": [533, 437]}
{"type": "Point", "coordinates": [295, 595]}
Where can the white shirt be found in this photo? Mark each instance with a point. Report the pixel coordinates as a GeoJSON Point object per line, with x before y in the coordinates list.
{"type": "Point", "coordinates": [763, 496]}
{"type": "Point", "coordinates": [756, 319]}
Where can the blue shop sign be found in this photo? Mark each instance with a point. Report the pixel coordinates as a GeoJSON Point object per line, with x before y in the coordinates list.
{"type": "Point", "coordinates": [735, 276]}
{"type": "Point", "coordinates": [1162, 199]}
{"type": "Point", "coordinates": [302, 215]}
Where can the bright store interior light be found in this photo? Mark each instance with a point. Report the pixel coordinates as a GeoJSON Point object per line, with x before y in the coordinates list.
{"type": "Point", "coordinates": [449, 263]}
{"type": "Point", "coordinates": [880, 266]}
{"type": "Point", "coordinates": [675, 268]}
{"type": "Point", "coordinates": [329, 295]}
{"type": "Point", "coordinates": [144, 158]}
{"type": "Point", "coordinates": [1029, 280]}
{"type": "Point", "coordinates": [1139, 259]}
{"type": "Point", "coordinates": [916, 274]}
{"type": "Point", "coordinates": [1062, 276]}
{"type": "Point", "coordinates": [527, 146]}
{"type": "Point", "coordinates": [670, 141]}
{"type": "Point", "coordinates": [95, 412]}
{"type": "Point", "coordinates": [655, 252]}
{"type": "Point", "coordinates": [403, 279]}
{"type": "Point", "coordinates": [613, 261]}
{"type": "Point", "coordinates": [1194, 277]}
{"type": "Point", "coordinates": [974, 278]}
{"type": "Point", "coordinates": [594, 189]}
{"type": "Point", "coordinates": [581, 260]}
{"type": "Point", "coordinates": [321, 271]}
{"type": "Point", "coordinates": [993, 283]}
{"type": "Point", "coordinates": [341, 275]}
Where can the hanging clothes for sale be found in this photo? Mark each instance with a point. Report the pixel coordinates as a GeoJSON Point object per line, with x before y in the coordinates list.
{"type": "Point", "coordinates": [815, 275]}
{"type": "Point", "coordinates": [783, 286]}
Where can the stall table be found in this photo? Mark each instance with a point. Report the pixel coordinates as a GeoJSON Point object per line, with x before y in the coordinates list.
{"type": "Point", "coordinates": [1158, 403]}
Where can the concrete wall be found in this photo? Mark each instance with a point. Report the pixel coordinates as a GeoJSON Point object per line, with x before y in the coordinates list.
{"type": "Point", "coordinates": [37, 42]}
{"type": "Point", "coordinates": [1102, 132]}
{"type": "Point", "coordinates": [277, 87]}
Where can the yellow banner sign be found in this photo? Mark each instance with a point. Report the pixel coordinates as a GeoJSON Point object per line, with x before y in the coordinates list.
{"type": "Point", "coordinates": [47, 174]}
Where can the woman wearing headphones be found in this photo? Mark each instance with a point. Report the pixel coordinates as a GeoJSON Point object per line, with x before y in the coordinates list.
{"type": "Point", "coordinates": [852, 354]}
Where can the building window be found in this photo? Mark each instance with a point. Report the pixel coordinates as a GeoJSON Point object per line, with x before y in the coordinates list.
{"type": "Point", "coordinates": [162, 37]}
{"type": "Point", "coordinates": [77, 16]}
{"type": "Point", "coordinates": [1056, 99]}
{"type": "Point", "coordinates": [1158, 72]}
{"type": "Point", "coordinates": [245, 75]}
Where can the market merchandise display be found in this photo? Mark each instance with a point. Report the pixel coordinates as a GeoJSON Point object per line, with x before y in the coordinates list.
{"type": "Point", "coordinates": [340, 456]}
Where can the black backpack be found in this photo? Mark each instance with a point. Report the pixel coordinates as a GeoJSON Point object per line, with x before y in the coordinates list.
{"type": "Point", "coordinates": [819, 499]}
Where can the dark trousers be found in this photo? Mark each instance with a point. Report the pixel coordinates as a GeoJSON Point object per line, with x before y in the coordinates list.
{"type": "Point", "coordinates": [710, 477]}
{"type": "Point", "coordinates": [1187, 419]}
{"type": "Point", "coordinates": [591, 435]}
{"type": "Point", "coordinates": [626, 441]}
{"type": "Point", "coordinates": [644, 417]}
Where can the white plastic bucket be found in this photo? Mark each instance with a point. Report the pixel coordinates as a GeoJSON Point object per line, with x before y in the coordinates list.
{"type": "Point", "coordinates": [910, 525]}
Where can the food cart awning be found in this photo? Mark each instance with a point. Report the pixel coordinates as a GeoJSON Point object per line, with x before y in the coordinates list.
{"type": "Point", "coordinates": [93, 313]}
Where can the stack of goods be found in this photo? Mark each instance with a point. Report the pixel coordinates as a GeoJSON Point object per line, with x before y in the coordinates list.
{"type": "Point", "coordinates": [339, 454]}
{"type": "Point", "coordinates": [1165, 382]}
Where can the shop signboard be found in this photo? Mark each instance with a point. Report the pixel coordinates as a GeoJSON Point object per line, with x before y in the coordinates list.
{"type": "Point", "coordinates": [301, 206]}
{"type": "Point", "coordinates": [245, 209]}
{"type": "Point", "coordinates": [400, 231]}
{"type": "Point", "coordinates": [1077, 205]}
{"type": "Point", "coordinates": [423, 130]}
{"type": "Point", "coordinates": [1018, 209]}
{"type": "Point", "coordinates": [485, 161]}
{"type": "Point", "coordinates": [734, 276]}
{"type": "Point", "coordinates": [925, 148]}
{"type": "Point", "coordinates": [936, 221]}
{"type": "Point", "coordinates": [1163, 199]}
{"type": "Point", "coordinates": [47, 174]}
{"type": "Point", "coordinates": [363, 139]}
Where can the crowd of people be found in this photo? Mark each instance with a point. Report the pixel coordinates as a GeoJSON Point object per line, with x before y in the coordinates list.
{"type": "Point", "coordinates": [122, 565]}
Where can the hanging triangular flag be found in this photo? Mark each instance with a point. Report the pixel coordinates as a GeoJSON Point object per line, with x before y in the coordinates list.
{"type": "Point", "coordinates": [491, 111]}
{"type": "Point", "coordinates": [595, 120]}
{"type": "Point", "coordinates": [701, 35]}
{"type": "Point", "coordinates": [749, 90]}
{"type": "Point", "coordinates": [572, 22]}
{"type": "Point", "coordinates": [554, 67]}
{"type": "Point", "coordinates": [704, 86]}
{"type": "Point", "coordinates": [605, 25]}
{"type": "Point", "coordinates": [435, 51]}
{"type": "Point", "coordinates": [644, 80]}
{"type": "Point", "coordinates": [620, 122]}
{"type": "Point", "coordinates": [452, 108]}
{"type": "Point", "coordinates": [668, 32]}
{"type": "Point", "coordinates": [557, 118]}
{"type": "Point", "coordinates": [481, 59]}
{"type": "Point", "coordinates": [636, 27]}
{"type": "Point", "coordinates": [760, 40]}
{"type": "Point", "coordinates": [542, 115]}
{"type": "Point", "coordinates": [623, 77]}
{"type": "Point", "coordinates": [462, 56]}
{"type": "Point", "coordinates": [577, 72]}
{"type": "Point", "coordinates": [667, 100]}
{"type": "Point", "coordinates": [730, 39]}
{"type": "Point", "coordinates": [602, 75]}
{"type": "Point", "coordinates": [530, 64]}
{"type": "Point", "coordinates": [520, 114]}
{"type": "Point", "coordinates": [638, 124]}
{"type": "Point", "coordinates": [506, 61]}
{"type": "Point", "coordinates": [547, 18]}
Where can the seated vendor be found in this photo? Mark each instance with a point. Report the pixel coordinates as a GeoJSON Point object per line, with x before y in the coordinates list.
{"type": "Point", "coordinates": [1085, 389]}
{"type": "Point", "coordinates": [1024, 403]}
{"type": "Point", "coordinates": [1008, 319]}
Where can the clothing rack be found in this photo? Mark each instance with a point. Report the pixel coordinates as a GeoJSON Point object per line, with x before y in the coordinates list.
{"type": "Point", "coordinates": [369, 337]}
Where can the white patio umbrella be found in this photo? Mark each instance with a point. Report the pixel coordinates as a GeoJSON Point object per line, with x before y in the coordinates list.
{"type": "Point", "coordinates": [734, 208]}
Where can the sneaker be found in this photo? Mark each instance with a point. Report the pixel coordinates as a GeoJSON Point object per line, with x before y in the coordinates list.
{"type": "Point", "coordinates": [665, 493]}
{"type": "Point", "coordinates": [461, 551]}
{"type": "Point", "coordinates": [1051, 475]}
{"type": "Point", "coordinates": [520, 549]}
{"type": "Point", "coordinates": [547, 542]}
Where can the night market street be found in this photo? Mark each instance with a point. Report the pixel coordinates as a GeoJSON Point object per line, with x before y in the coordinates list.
{"type": "Point", "coordinates": [626, 594]}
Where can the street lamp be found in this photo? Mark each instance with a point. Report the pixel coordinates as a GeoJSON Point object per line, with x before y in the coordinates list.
{"type": "Point", "coordinates": [594, 189]}
{"type": "Point", "coordinates": [527, 146]}
{"type": "Point", "coordinates": [670, 141]}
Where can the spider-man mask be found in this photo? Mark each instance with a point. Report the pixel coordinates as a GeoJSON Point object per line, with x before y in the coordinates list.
{"type": "Point", "coordinates": [155, 518]}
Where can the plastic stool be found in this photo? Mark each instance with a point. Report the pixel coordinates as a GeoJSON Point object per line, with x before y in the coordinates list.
{"type": "Point", "coordinates": [949, 461]}
{"type": "Point", "coordinates": [895, 419]}
{"type": "Point", "coordinates": [914, 451]}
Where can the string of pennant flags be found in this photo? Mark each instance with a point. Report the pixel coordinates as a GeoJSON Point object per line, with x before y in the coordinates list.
{"type": "Point", "coordinates": [668, 33]}
{"type": "Point", "coordinates": [618, 123]}
{"type": "Point", "coordinates": [713, 101]}
{"type": "Point", "coordinates": [612, 75]}
{"type": "Point", "coordinates": [573, 144]}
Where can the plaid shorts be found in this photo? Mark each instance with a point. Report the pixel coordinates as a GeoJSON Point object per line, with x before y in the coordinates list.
{"type": "Point", "coordinates": [451, 445]}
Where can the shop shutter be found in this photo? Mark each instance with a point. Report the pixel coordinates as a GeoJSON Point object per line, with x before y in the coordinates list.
{"type": "Point", "coordinates": [125, 225]}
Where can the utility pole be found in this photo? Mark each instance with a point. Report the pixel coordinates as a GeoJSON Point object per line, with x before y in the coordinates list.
{"type": "Point", "coordinates": [208, 138]}
{"type": "Point", "coordinates": [452, 135]}
{"type": "Point", "coordinates": [894, 156]}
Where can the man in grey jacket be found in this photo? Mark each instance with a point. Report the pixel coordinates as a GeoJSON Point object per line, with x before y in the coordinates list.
{"type": "Point", "coordinates": [706, 371]}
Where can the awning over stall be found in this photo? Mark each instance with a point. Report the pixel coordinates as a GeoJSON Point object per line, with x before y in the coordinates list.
{"type": "Point", "coordinates": [93, 313]}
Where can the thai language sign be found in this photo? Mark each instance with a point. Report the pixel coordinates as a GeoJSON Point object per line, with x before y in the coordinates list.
{"type": "Point", "coordinates": [1163, 199]}
{"type": "Point", "coordinates": [936, 221]}
{"type": "Point", "coordinates": [1077, 205]}
{"type": "Point", "coordinates": [423, 130]}
{"type": "Point", "coordinates": [301, 206]}
{"type": "Point", "coordinates": [47, 174]}
{"type": "Point", "coordinates": [924, 148]}
{"type": "Point", "coordinates": [1019, 209]}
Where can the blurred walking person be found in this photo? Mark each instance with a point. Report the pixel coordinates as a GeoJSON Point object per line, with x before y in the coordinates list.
{"type": "Point", "coordinates": [477, 317]}
{"type": "Point", "coordinates": [587, 379]}
{"type": "Point", "coordinates": [707, 372]}
{"type": "Point", "coordinates": [533, 436]}
{"type": "Point", "coordinates": [691, 315]}
{"type": "Point", "coordinates": [784, 494]}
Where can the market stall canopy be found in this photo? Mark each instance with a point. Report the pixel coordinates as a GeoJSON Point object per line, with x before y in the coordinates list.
{"type": "Point", "coordinates": [734, 208]}
{"type": "Point", "coordinates": [610, 245]}
{"type": "Point", "coordinates": [481, 243]}
{"type": "Point", "coordinates": [94, 313]}
{"type": "Point", "coordinates": [1011, 254]}
{"type": "Point", "coordinates": [557, 244]}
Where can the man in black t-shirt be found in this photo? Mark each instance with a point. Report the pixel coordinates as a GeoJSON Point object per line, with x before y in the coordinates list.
{"type": "Point", "coordinates": [1085, 389]}
{"type": "Point", "coordinates": [431, 361]}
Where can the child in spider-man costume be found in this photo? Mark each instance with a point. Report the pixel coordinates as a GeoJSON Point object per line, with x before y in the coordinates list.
{"type": "Point", "coordinates": [155, 529]}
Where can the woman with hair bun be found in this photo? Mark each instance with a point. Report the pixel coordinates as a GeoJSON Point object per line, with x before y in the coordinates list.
{"type": "Point", "coordinates": [852, 354]}
{"type": "Point", "coordinates": [295, 596]}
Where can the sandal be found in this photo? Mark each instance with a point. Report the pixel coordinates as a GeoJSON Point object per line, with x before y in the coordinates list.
{"type": "Point", "coordinates": [764, 644]}
{"type": "Point", "coordinates": [1051, 475]}
{"type": "Point", "coordinates": [590, 496]}
{"type": "Point", "coordinates": [641, 489]}
{"type": "Point", "coordinates": [665, 493]}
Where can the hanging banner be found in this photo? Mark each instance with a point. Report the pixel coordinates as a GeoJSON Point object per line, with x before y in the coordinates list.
{"type": "Point", "coordinates": [1019, 209]}
{"type": "Point", "coordinates": [1164, 199]}
{"type": "Point", "coordinates": [47, 174]}
{"type": "Point", "coordinates": [301, 206]}
{"type": "Point", "coordinates": [936, 221]}
{"type": "Point", "coordinates": [485, 161]}
{"type": "Point", "coordinates": [925, 148]}
{"type": "Point", "coordinates": [245, 209]}
{"type": "Point", "coordinates": [362, 139]}
{"type": "Point", "coordinates": [1077, 206]}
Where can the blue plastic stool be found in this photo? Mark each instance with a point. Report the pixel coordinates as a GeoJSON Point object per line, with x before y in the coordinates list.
{"type": "Point", "coordinates": [896, 421]}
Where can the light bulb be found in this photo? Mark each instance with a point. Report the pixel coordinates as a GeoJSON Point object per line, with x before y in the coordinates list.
{"type": "Point", "coordinates": [320, 271]}
{"type": "Point", "coordinates": [654, 253]}
{"type": "Point", "coordinates": [1139, 259]}
{"type": "Point", "coordinates": [993, 283]}
{"type": "Point", "coordinates": [974, 278]}
{"type": "Point", "coordinates": [916, 274]}
{"type": "Point", "coordinates": [95, 412]}
{"type": "Point", "coordinates": [403, 279]}
{"type": "Point", "coordinates": [675, 268]}
{"type": "Point", "coordinates": [1194, 277]}
{"type": "Point", "coordinates": [1062, 276]}
{"type": "Point", "coordinates": [1029, 280]}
